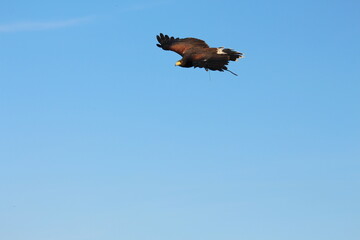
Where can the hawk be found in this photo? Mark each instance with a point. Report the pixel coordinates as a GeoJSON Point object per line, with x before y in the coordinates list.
{"type": "Point", "coordinates": [196, 53]}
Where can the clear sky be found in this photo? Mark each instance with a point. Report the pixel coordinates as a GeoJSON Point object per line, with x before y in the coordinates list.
{"type": "Point", "coordinates": [103, 138]}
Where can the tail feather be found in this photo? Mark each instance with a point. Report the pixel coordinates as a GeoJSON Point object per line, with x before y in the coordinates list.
{"type": "Point", "coordinates": [234, 55]}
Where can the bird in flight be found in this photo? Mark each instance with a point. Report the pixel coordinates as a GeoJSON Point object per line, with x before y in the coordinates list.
{"type": "Point", "coordinates": [196, 53]}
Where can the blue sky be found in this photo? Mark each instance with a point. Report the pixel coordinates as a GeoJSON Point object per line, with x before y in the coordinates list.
{"type": "Point", "coordinates": [103, 138]}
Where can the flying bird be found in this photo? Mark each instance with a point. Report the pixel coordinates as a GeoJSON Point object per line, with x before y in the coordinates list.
{"type": "Point", "coordinates": [196, 53]}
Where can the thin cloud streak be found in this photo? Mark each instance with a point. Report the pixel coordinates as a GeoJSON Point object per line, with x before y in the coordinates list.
{"type": "Point", "coordinates": [40, 26]}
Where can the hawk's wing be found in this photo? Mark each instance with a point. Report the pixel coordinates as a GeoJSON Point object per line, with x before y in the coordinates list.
{"type": "Point", "coordinates": [210, 60]}
{"type": "Point", "coordinates": [179, 45]}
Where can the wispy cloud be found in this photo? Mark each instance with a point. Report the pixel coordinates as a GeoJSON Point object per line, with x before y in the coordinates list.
{"type": "Point", "coordinates": [42, 25]}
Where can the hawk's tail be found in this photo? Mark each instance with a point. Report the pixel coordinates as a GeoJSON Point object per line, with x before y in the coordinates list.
{"type": "Point", "coordinates": [234, 55]}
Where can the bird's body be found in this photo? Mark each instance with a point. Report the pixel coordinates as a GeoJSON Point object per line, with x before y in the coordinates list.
{"type": "Point", "coordinates": [196, 53]}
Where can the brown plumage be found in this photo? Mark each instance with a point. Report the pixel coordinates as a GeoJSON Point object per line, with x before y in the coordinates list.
{"type": "Point", "coordinates": [196, 53]}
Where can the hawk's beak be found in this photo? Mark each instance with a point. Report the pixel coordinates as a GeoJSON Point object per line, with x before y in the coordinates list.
{"type": "Point", "coordinates": [178, 63]}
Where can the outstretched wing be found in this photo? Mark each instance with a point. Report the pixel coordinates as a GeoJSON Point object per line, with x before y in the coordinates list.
{"type": "Point", "coordinates": [179, 45]}
{"type": "Point", "coordinates": [210, 61]}
{"type": "Point", "coordinates": [215, 58]}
